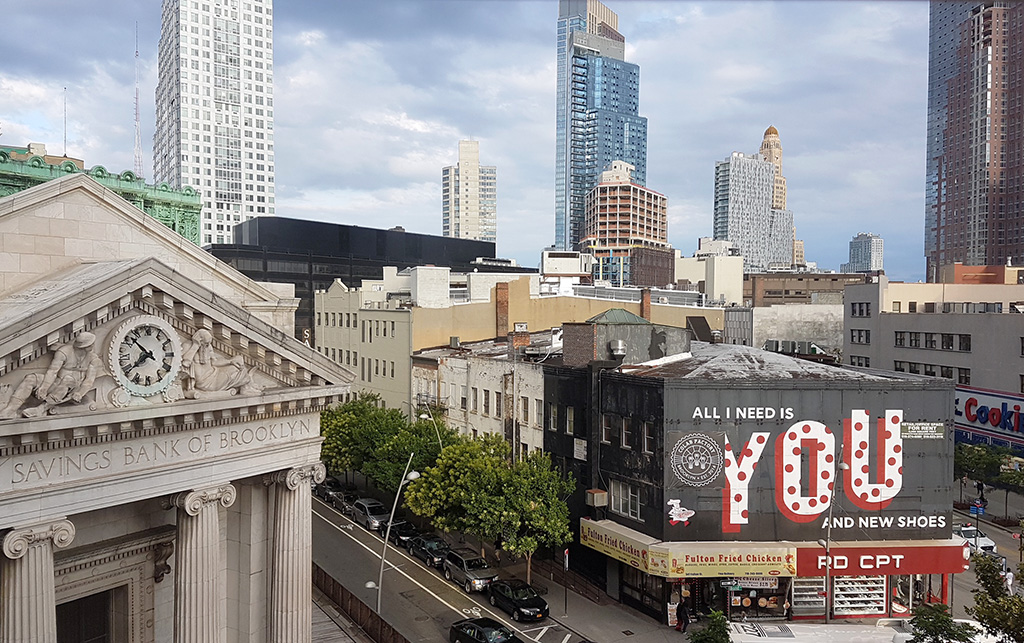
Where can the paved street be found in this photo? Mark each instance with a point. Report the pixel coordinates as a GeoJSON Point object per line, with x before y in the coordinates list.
{"type": "Point", "coordinates": [422, 605]}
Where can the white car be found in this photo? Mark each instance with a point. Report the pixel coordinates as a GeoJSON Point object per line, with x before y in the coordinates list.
{"type": "Point", "coordinates": [975, 538]}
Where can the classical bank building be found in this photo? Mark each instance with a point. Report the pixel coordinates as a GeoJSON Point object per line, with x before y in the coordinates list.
{"type": "Point", "coordinates": [159, 431]}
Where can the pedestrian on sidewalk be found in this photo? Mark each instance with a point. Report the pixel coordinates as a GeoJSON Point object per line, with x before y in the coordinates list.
{"type": "Point", "coordinates": [682, 616]}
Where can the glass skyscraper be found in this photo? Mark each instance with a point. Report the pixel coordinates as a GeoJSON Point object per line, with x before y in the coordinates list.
{"type": "Point", "coordinates": [597, 118]}
{"type": "Point", "coordinates": [974, 190]}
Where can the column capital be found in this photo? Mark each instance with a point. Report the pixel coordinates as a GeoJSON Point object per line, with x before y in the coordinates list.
{"type": "Point", "coordinates": [17, 541]}
{"type": "Point", "coordinates": [293, 478]}
{"type": "Point", "coordinates": [193, 501]}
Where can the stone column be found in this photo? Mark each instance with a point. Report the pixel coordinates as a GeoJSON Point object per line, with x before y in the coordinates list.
{"type": "Point", "coordinates": [197, 578]}
{"type": "Point", "coordinates": [291, 581]}
{"type": "Point", "coordinates": [28, 605]}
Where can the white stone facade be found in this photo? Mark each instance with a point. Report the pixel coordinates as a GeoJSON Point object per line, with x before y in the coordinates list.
{"type": "Point", "coordinates": [157, 438]}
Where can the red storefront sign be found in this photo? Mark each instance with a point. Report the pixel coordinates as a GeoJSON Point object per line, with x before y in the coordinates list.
{"type": "Point", "coordinates": [885, 558]}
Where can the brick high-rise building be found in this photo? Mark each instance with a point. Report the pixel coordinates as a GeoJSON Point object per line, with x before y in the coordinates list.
{"type": "Point", "coordinates": [622, 215]}
{"type": "Point", "coordinates": [974, 204]}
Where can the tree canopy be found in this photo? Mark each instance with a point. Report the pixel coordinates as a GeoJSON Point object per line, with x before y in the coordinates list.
{"type": "Point", "coordinates": [932, 623]}
{"type": "Point", "coordinates": [1001, 614]}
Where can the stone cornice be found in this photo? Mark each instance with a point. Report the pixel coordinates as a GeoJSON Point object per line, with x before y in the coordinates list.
{"type": "Point", "coordinates": [79, 558]}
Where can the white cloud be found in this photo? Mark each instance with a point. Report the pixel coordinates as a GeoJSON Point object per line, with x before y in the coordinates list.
{"type": "Point", "coordinates": [371, 99]}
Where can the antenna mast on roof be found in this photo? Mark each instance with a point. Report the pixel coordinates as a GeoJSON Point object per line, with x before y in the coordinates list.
{"type": "Point", "coordinates": [138, 127]}
{"type": "Point", "coordinates": [65, 122]}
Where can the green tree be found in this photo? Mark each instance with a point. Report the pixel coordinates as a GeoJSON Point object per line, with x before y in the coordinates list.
{"type": "Point", "coordinates": [978, 462]}
{"type": "Point", "coordinates": [342, 449]}
{"type": "Point", "coordinates": [531, 512]}
{"type": "Point", "coordinates": [932, 623]}
{"type": "Point", "coordinates": [1001, 614]}
{"type": "Point", "coordinates": [397, 439]}
{"type": "Point", "coordinates": [1012, 480]}
{"type": "Point", "coordinates": [461, 490]}
{"type": "Point", "coordinates": [716, 630]}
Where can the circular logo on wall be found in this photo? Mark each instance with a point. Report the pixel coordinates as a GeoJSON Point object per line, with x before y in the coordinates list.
{"type": "Point", "coordinates": [697, 459]}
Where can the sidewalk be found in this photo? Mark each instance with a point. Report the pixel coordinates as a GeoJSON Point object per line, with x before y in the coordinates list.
{"type": "Point", "coordinates": [608, 623]}
{"type": "Point", "coordinates": [1000, 504]}
{"type": "Point", "coordinates": [331, 626]}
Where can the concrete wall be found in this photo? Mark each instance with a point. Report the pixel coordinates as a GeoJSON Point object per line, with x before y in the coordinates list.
{"type": "Point", "coordinates": [481, 378]}
{"type": "Point", "coordinates": [366, 340]}
{"type": "Point", "coordinates": [722, 276]}
{"type": "Point", "coordinates": [818, 323]}
{"type": "Point", "coordinates": [475, 321]}
{"type": "Point", "coordinates": [430, 286]}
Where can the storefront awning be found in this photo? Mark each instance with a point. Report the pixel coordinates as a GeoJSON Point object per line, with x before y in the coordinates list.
{"type": "Point", "coordinates": [885, 557]}
{"type": "Point", "coordinates": [615, 540]}
{"type": "Point", "coordinates": [706, 559]}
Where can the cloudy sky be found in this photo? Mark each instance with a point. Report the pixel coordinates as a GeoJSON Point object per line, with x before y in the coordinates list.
{"type": "Point", "coordinates": [372, 98]}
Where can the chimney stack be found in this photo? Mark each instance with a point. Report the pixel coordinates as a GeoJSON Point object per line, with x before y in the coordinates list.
{"type": "Point", "coordinates": [645, 304]}
{"type": "Point", "coordinates": [501, 309]}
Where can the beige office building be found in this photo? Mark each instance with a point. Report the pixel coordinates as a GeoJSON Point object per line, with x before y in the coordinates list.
{"type": "Point", "coordinates": [159, 430]}
{"type": "Point", "coordinates": [469, 197]}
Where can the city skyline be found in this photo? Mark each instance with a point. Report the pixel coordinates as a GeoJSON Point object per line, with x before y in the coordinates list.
{"type": "Point", "coordinates": [364, 121]}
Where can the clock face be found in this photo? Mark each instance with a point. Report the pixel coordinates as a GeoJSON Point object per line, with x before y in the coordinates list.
{"type": "Point", "coordinates": [145, 355]}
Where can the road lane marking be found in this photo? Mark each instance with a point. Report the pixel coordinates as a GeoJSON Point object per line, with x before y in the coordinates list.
{"type": "Point", "coordinates": [459, 612]}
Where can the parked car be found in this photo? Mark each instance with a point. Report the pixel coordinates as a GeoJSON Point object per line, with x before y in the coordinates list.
{"type": "Point", "coordinates": [401, 533]}
{"type": "Point", "coordinates": [974, 537]}
{"type": "Point", "coordinates": [327, 487]}
{"type": "Point", "coordinates": [518, 599]}
{"type": "Point", "coordinates": [343, 500]}
{"type": "Point", "coordinates": [481, 630]}
{"type": "Point", "coordinates": [465, 567]}
{"type": "Point", "coordinates": [430, 549]}
{"type": "Point", "coordinates": [369, 513]}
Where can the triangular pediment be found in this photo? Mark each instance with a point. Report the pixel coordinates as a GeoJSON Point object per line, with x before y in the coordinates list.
{"type": "Point", "coordinates": [135, 341]}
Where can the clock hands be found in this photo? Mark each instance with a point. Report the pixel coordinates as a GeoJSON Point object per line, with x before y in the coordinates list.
{"type": "Point", "coordinates": [146, 354]}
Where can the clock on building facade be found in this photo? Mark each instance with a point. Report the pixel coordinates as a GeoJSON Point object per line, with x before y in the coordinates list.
{"type": "Point", "coordinates": [145, 355]}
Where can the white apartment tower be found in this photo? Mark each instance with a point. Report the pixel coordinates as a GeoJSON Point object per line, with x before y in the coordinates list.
{"type": "Point", "coordinates": [469, 197]}
{"type": "Point", "coordinates": [744, 194]}
{"type": "Point", "coordinates": [866, 252]}
{"type": "Point", "coordinates": [215, 108]}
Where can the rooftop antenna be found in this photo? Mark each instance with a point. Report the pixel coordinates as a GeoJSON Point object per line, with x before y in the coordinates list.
{"type": "Point", "coordinates": [65, 122]}
{"type": "Point", "coordinates": [138, 127]}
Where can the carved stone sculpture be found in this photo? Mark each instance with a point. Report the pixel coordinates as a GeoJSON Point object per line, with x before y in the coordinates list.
{"type": "Point", "coordinates": [206, 375]}
{"type": "Point", "coordinates": [66, 384]}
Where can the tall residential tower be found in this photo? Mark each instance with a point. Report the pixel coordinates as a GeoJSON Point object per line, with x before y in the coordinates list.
{"type": "Point", "coordinates": [974, 190]}
{"type": "Point", "coordinates": [597, 111]}
{"type": "Point", "coordinates": [866, 252]}
{"type": "Point", "coordinates": [469, 197]}
{"type": "Point", "coordinates": [215, 109]}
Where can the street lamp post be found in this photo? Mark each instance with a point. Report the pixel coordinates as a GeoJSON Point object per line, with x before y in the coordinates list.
{"type": "Point", "coordinates": [827, 543]}
{"type": "Point", "coordinates": [430, 416]}
{"type": "Point", "coordinates": [407, 476]}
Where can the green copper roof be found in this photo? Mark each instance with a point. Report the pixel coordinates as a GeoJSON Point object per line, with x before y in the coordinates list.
{"type": "Point", "coordinates": [178, 209]}
{"type": "Point", "coordinates": [617, 316]}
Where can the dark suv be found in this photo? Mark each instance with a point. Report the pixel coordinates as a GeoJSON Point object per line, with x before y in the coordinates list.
{"type": "Point", "coordinates": [465, 567]}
